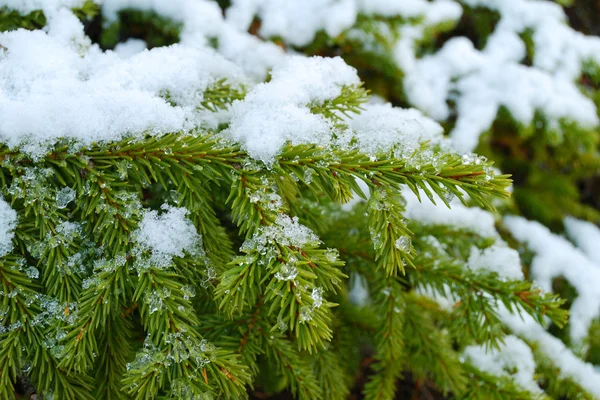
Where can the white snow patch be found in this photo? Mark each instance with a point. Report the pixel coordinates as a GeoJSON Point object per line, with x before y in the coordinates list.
{"type": "Point", "coordinates": [557, 257]}
{"type": "Point", "coordinates": [182, 73]}
{"type": "Point", "coordinates": [51, 88]}
{"type": "Point", "coordinates": [256, 57]}
{"type": "Point", "coordinates": [498, 258]}
{"type": "Point", "coordinates": [480, 82]}
{"type": "Point", "coordinates": [169, 233]}
{"type": "Point", "coordinates": [297, 23]}
{"type": "Point", "coordinates": [586, 236]}
{"type": "Point", "coordinates": [569, 365]}
{"type": "Point", "coordinates": [514, 358]}
{"type": "Point", "coordinates": [130, 47]}
{"type": "Point", "coordinates": [474, 219]}
{"type": "Point", "coordinates": [559, 49]}
{"type": "Point", "coordinates": [202, 21]}
{"type": "Point", "coordinates": [278, 112]}
{"type": "Point", "coordinates": [381, 128]}
{"type": "Point", "coordinates": [8, 222]}
{"type": "Point", "coordinates": [485, 81]}
{"type": "Point", "coordinates": [48, 6]}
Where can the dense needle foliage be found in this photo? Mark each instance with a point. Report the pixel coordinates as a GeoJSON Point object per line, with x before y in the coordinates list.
{"type": "Point", "coordinates": [276, 227]}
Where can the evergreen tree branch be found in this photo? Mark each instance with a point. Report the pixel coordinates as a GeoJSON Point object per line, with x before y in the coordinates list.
{"type": "Point", "coordinates": [45, 232]}
{"type": "Point", "coordinates": [15, 314]}
{"type": "Point", "coordinates": [554, 382]}
{"type": "Point", "coordinates": [333, 379]}
{"type": "Point", "coordinates": [294, 367]}
{"type": "Point", "coordinates": [425, 342]}
{"type": "Point", "coordinates": [485, 386]}
{"type": "Point", "coordinates": [114, 350]}
{"type": "Point", "coordinates": [220, 95]}
{"type": "Point", "coordinates": [478, 294]}
{"type": "Point", "coordinates": [104, 297]}
{"type": "Point", "coordinates": [26, 331]}
{"type": "Point", "coordinates": [175, 347]}
{"type": "Point", "coordinates": [349, 102]}
{"type": "Point", "coordinates": [389, 340]}
{"type": "Point", "coordinates": [387, 227]}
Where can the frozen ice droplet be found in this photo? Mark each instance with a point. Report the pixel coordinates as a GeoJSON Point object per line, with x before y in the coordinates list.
{"type": "Point", "coordinates": [32, 272]}
{"type": "Point", "coordinates": [188, 291]}
{"type": "Point", "coordinates": [403, 244]}
{"type": "Point", "coordinates": [287, 272]}
{"type": "Point", "coordinates": [332, 255]}
{"type": "Point", "coordinates": [317, 296]}
{"type": "Point", "coordinates": [306, 314]}
{"type": "Point", "coordinates": [281, 325]}
{"type": "Point", "coordinates": [206, 346]}
{"type": "Point", "coordinates": [64, 197]}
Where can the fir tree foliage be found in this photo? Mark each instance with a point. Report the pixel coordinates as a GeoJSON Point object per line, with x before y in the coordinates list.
{"type": "Point", "coordinates": [237, 220]}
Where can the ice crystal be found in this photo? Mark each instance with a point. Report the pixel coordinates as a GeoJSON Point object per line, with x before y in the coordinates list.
{"type": "Point", "coordinates": [403, 244]}
{"type": "Point", "coordinates": [64, 197]}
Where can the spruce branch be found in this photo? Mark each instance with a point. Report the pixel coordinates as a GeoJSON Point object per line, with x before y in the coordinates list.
{"type": "Point", "coordinates": [389, 340]}
{"type": "Point", "coordinates": [187, 167]}
{"type": "Point", "coordinates": [556, 383]}
{"type": "Point", "coordinates": [45, 233]}
{"type": "Point", "coordinates": [25, 338]}
{"type": "Point", "coordinates": [382, 384]}
{"type": "Point", "coordinates": [104, 297]}
{"type": "Point", "coordinates": [168, 317]}
{"type": "Point", "coordinates": [349, 102]}
{"type": "Point", "coordinates": [254, 201]}
{"type": "Point", "coordinates": [333, 379]}
{"type": "Point", "coordinates": [251, 336]}
{"type": "Point", "coordinates": [294, 280]}
{"type": "Point", "coordinates": [240, 285]}
{"type": "Point", "coordinates": [486, 386]}
{"type": "Point", "coordinates": [49, 377]}
{"type": "Point", "coordinates": [185, 164]}
{"type": "Point", "coordinates": [425, 343]}
{"type": "Point", "coordinates": [391, 238]}
{"type": "Point", "coordinates": [15, 314]}
{"type": "Point", "coordinates": [220, 95]}
{"type": "Point", "coordinates": [114, 350]}
{"type": "Point", "coordinates": [451, 171]}
{"type": "Point", "coordinates": [294, 367]}
{"type": "Point", "coordinates": [478, 295]}
{"type": "Point", "coordinates": [10, 360]}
